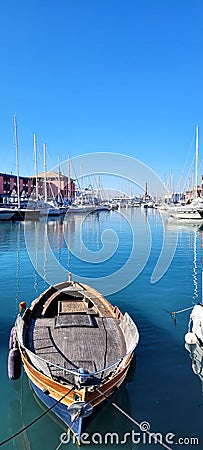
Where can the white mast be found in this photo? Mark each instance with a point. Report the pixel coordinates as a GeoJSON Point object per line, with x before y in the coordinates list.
{"type": "Point", "coordinates": [196, 162]}
{"type": "Point", "coordinates": [35, 159]}
{"type": "Point", "coordinates": [45, 173]}
{"type": "Point", "coordinates": [17, 161]}
{"type": "Point", "coordinates": [59, 180]}
{"type": "Point", "coordinates": [69, 179]}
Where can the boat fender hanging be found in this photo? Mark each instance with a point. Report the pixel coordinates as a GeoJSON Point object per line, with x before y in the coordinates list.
{"type": "Point", "coordinates": [12, 338]}
{"type": "Point", "coordinates": [14, 364]}
{"type": "Point", "coordinates": [190, 338]}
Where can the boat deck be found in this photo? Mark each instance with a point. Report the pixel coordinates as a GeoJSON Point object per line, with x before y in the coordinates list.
{"type": "Point", "coordinates": [75, 339]}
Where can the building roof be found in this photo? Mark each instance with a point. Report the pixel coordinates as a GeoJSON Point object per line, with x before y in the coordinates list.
{"type": "Point", "coordinates": [50, 174]}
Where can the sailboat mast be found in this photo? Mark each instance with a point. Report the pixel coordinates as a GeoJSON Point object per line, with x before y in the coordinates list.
{"type": "Point", "coordinates": [196, 161]}
{"type": "Point", "coordinates": [69, 179]}
{"type": "Point", "coordinates": [17, 160]}
{"type": "Point", "coordinates": [35, 159]}
{"type": "Point", "coordinates": [59, 180]}
{"type": "Point", "coordinates": [45, 173]}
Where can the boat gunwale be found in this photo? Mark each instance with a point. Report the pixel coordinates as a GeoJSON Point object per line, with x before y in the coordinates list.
{"type": "Point", "coordinates": [39, 304]}
{"type": "Point", "coordinates": [74, 372]}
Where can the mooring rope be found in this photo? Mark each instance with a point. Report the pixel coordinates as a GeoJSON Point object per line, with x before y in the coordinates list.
{"type": "Point", "coordinates": [139, 425]}
{"type": "Point", "coordinates": [181, 310]}
{"type": "Point", "coordinates": [69, 429]}
{"type": "Point", "coordinates": [35, 420]}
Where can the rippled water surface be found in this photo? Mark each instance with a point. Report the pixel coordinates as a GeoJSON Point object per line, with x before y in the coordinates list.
{"type": "Point", "coordinates": [117, 253]}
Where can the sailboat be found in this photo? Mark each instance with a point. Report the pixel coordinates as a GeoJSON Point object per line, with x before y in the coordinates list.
{"type": "Point", "coordinates": [192, 211]}
{"type": "Point", "coordinates": [22, 212]}
{"type": "Point", "coordinates": [48, 207]}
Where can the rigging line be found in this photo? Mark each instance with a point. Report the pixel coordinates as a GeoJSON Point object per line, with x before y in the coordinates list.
{"type": "Point", "coordinates": [181, 310]}
{"type": "Point", "coordinates": [133, 420]}
{"type": "Point", "coordinates": [35, 420]}
{"type": "Point", "coordinates": [189, 173]}
{"type": "Point", "coordinates": [74, 173]}
{"type": "Point", "coordinates": [186, 160]}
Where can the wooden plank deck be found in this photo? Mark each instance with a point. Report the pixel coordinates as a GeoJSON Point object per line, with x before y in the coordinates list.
{"type": "Point", "coordinates": [77, 340]}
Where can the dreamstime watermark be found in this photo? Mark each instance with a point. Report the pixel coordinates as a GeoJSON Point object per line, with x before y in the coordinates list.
{"type": "Point", "coordinates": [132, 437]}
{"type": "Point", "coordinates": [133, 171]}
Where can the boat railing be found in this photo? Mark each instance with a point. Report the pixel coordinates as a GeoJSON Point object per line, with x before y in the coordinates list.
{"type": "Point", "coordinates": [44, 365]}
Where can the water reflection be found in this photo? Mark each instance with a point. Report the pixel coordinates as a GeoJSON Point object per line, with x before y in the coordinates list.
{"type": "Point", "coordinates": [196, 355]}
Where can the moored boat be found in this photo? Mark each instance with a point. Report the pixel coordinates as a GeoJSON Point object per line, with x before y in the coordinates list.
{"type": "Point", "coordinates": [26, 214]}
{"type": "Point", "coordinates": [76, 349]}
{"type": "Point", "coordinates": [6, 213]}
{"type": "Point", "coordinates": [189, 212]}
{"type": "Point", "coordinates": [195, 327]}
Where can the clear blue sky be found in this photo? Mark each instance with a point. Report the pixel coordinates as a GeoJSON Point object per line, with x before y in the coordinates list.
{"type": "Point", "coordinates": [121, 76]}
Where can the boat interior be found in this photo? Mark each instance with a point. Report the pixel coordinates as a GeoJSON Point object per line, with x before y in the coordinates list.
{"type": "Point", "coordinates": [73, 329]}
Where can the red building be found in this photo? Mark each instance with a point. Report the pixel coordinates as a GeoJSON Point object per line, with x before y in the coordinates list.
{"type": "Point", "coordinates": [8, 187]}
{"type": "Point", "coordinates": [55, 186]}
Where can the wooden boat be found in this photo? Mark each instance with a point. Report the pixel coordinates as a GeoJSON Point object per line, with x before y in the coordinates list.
{"type": "Point", "coordinates": [76, 349]}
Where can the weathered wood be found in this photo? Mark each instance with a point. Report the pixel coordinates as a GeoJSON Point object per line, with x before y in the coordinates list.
{"type": "Point", "coordinates": [78, 342]}
{"type": "Point", "coordinates": [77, 328]}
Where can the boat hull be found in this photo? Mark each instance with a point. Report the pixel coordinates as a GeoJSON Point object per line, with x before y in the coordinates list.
{"type": "Point", "coordinates": [60, 410]}
{"type": "Point", "coordinates": [6, 214]}
{"type": "Point", "coordinates": [51, 392]}
{"type": "Point", "coordinates": [26, 214]}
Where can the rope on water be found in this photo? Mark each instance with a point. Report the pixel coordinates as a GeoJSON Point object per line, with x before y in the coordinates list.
{"type": "Point", "coordinates": [139, 425]}
{"type": "Point", "coordinates": [35, 420]}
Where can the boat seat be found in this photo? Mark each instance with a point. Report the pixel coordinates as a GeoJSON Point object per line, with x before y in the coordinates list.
{"type": "Point", "coordinates": [75, 320]}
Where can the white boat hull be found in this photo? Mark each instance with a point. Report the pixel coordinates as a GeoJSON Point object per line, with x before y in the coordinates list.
{"type": "Point", "coordinates": [6, 214]}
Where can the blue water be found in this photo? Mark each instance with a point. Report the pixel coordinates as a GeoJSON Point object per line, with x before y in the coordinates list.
{"type": "Point", "coordinates": [162, 388]}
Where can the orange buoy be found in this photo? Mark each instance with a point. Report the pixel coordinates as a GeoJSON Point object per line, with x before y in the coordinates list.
{"type": "Point", "coordinates": [22, 306]}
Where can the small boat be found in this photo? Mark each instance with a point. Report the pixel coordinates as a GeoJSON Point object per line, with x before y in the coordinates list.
{"type": "Point", "coordinates": [50, 208]}
{"type": "Point", "coordinates": [76, 349]}
{"type": "Point", "coordinates": [196, 354]}
{"type": "Point", "coordinates": [195, 327]}
{"type": "Point", "coordinates": [190, 212]}
{"type": "Point", "coordinates": [200, 211]}
{"type": "Point", "coordinates": [81, 209]}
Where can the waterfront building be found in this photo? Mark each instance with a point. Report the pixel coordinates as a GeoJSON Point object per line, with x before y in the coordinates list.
{"type": "Point", "coordinates": [56, 187]}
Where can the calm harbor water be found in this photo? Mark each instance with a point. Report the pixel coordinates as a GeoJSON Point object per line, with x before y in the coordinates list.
{"type": "Point", "coordinates": [162, 390]}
